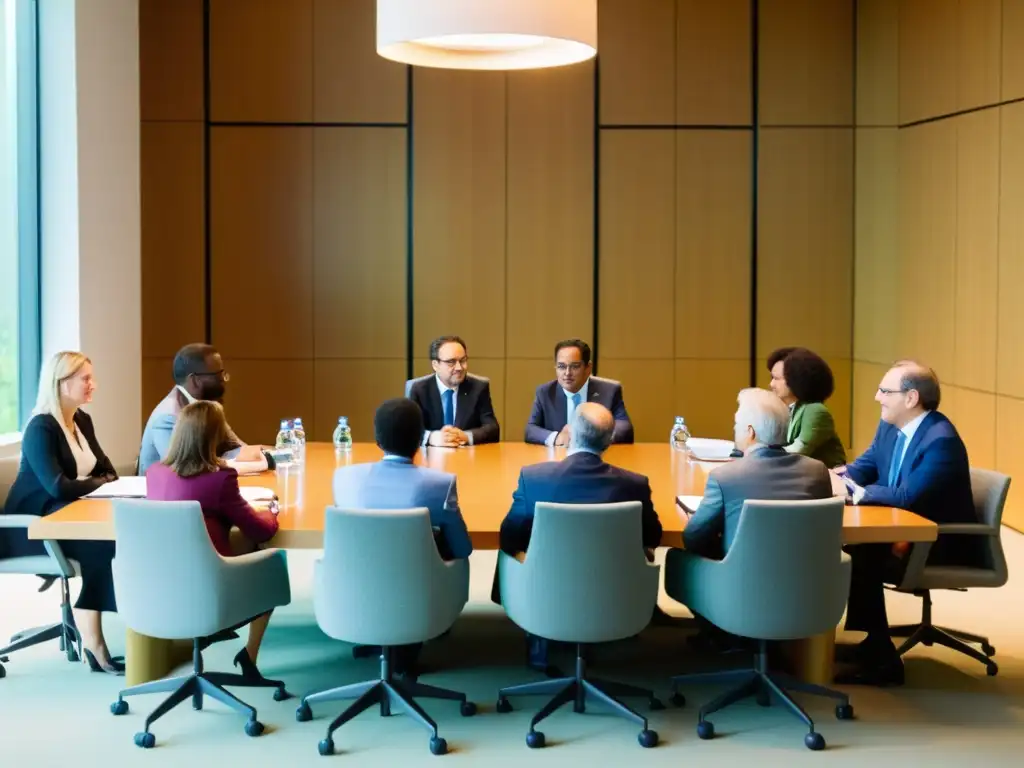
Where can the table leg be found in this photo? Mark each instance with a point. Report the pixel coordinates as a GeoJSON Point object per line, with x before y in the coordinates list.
{"type": "Point", "coordinates": [149, 658]}
{"type": "Point", "coordinates": [811, 659]}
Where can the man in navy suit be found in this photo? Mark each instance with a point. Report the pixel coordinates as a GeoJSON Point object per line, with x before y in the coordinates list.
{"type": "Point", "coordinates": [917, 462]}
{"type": "Point", "coordinates": [555, 401]}
{"type": "Point", "coordinates": [457, 408]}
{"type": "Point", "coordinates": [582, 477]}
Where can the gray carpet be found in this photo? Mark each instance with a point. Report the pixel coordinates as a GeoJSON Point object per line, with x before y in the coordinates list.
{"type": "Point", "coordinates": [948, 713]}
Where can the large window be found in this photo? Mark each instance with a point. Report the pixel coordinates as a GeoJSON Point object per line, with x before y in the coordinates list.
{"type": "Point", "coordinates": [19, 240]}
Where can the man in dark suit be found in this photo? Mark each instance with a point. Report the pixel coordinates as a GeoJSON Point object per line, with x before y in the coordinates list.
{"type": "Point", "coordinates": [918, 462]}
{"type": "Point", "coordinates": [581, 478]}
{"type": "Point", "coordinates": [554, 403]}
{"type": "Point", "coordinates": [456, 406]}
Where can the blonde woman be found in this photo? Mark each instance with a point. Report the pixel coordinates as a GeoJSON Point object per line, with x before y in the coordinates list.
{"type": "Point", "coordinates": [61, 461]}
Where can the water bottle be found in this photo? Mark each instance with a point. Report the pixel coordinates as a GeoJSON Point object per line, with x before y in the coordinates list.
{"type": "Point", "coordinates": [679, 435]}
{"type": "Point", "coordinates": [342, 436]}
{"type": "Point", "coordinates": [284, 446]}
{"type": "Point", "coordinates": [300, 439]}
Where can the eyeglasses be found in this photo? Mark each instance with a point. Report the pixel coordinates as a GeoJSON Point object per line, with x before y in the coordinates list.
{"type": "Point", "coordinates": [221, 374]}
{"type": "Point", "coordinates": [574, 367]}
{"type": "Point", "coordinates": [451, 363]}
{"type": "Point", "coordinates": [885, 391]}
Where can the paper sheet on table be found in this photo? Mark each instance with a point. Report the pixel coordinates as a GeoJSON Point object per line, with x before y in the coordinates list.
{"type": "Point", "coordinates": [248, 467]}
{"type": "Point", "coordinates": [129, 487]}
{"type": "Point", "coordinates": [255, 494]}
{"type": "Point", "coordinates": [689, 503]}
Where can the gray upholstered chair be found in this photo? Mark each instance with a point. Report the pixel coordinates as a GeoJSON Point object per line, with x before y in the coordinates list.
{"type": "Point", "coordinates": [989, 570]}
{"type": "Point", "coordinates": [585, 580]}
{"type": "Point", "coordinates": [410, 382]}
{"type": "Point", "coordinates": [381, 582]}
{"type": "Point", "coordinates": [54, 566]}
{"type": "Point", "coordinates": [785, 577]}
{"type": "Point", "coordinates": [172, 584]}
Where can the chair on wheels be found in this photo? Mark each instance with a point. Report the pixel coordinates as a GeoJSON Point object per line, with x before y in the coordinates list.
{"type": "Point", "coordinates": [172, 584]}
{"type": "Point", "coordinates": [585, 580]}
{"type": "Point", "coordinates": [785, 577]}
{"type": "Point", "coordinates": [988, 570]}
{"type": "Point", "coordinates": [382, 583]}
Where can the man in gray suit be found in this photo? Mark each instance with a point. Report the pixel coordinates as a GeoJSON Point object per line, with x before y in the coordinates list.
{"type": "Point", "coordinates": [766, 472]}
{"type": "Point", "coordinates": [396, 483]}
{"type": "Point", "coordinates": [198, 375]}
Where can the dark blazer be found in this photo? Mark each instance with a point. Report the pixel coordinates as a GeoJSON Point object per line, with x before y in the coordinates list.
{"type": "Point", "coordinates": [474, 412]}
{"type": "Point", "coordinates": [550, 405]}
{"type": "Point", "coordinates": [934, 479]}
{"type": "Point", "coordinates": [582, 478]}
{"type": "Point", "coordinates": [47, 479]}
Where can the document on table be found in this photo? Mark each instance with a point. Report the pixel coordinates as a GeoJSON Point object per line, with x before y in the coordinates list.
{"type": "Point", "coordinates": [257, 495]}
{"type": "Point", "coordinates": [689, 504]}
{"type": "Point", "coordinates": [130, 487]}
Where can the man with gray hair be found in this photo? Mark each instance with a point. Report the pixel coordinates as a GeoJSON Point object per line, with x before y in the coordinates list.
{"type": "Point", "coordinates": [581, 478]}
{"type": "Point", "coordinates": [766, 471]}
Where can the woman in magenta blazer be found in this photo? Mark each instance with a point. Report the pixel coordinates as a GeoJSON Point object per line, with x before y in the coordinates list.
{"type": "Point", "coordinates": [192, 471]}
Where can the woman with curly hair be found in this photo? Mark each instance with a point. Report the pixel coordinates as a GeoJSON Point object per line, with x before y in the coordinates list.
{"type": "Point", "coordinates": [804, 381]}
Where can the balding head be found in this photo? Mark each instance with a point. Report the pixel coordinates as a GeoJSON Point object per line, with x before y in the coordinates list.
{"type": "Point", "coordinates": [907, 390]}
{"type": "Point", "coordinates": [591, 429]}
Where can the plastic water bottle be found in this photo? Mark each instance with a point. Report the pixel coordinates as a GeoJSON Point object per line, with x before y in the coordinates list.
{"type": "Point", "coordinates": [284, 446]}
{"type": "Point", "coordinates": [300, 440]}
{"type": "Point", "coordinates": [342, 436]}
{"type": "Point", "coordinates": [679, 435]}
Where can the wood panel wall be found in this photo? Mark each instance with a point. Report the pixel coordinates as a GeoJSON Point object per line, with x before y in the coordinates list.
{"type": "Point", "coordinates": [320, 213]}
{"type": "Point", "coordinates": [940, 214]}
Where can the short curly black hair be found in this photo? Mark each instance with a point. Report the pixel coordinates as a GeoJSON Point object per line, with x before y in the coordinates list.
{"type": "Point", "coordinates": [808, 376]}
{"type": "Point", "coordinates": [779, 354]}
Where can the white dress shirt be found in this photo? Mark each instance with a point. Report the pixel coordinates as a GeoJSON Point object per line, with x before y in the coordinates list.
{"type": "Point", "coordinates": [569, 408]}
{"type": "Point", "coordinates": [85, 459]}
{"type": "Point", "coordinates": [441, 389]}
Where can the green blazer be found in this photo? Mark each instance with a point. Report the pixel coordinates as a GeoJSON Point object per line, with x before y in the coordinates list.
{"type": "Point", "coordinates": [812, 432]}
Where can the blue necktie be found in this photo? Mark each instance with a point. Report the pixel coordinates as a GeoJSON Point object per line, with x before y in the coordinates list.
{"type": "Point", "coordinates": [897, 459]}
{"type": "Point", "coordinates": [449, 411]}
{"type": "Point", "coordinates": [575, 404]}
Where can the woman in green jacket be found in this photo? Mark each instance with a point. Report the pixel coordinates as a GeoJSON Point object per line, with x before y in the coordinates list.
{"type": "Point", "coordinates": [804, 381]}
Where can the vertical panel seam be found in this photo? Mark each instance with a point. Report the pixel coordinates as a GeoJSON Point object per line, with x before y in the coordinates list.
{"type": "Point", "coordinates": [207, 182]}
{"type": "Point", "coordinates": [410, 148]}
{"type": "Point", "coordinates": [853, 219]}
{"type": "Point", "coordinates": [755, 119]}
{"type": "Point", "coordinates": [596, 224]}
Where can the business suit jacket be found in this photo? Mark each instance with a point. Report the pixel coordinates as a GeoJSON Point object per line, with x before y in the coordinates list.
{"type": "Point", "coordinates": [219, 496]}
{"type": "Point", "coordinates": [934, 480]}
{"type": "Point", "coordinates": [399, 484]}
{"type": "Point", "coordinates": [156, 437]}
{"type": "Point", "coordinates": [765, 474]}
{"type": "Point", "coordinates": [47, 478]}
{"type": "Point", "coordinates": [550, 406]}
{"type": "Point", "coordinates": [474, 412]}
{"type": "Point", "coordinates": [812, 432]}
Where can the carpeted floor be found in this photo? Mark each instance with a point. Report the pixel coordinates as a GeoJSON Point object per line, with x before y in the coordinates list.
{"type": "Point", "coordinates": [948, 713]}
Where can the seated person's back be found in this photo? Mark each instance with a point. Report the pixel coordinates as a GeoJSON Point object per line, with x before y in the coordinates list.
{"type": "Point", "coordinates": [396, 482]}
{"type": "Point", "coordinates": [766, 472]}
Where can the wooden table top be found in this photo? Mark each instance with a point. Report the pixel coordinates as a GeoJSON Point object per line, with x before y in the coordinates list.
{"type": "Point", "coordinates": [487, 476]}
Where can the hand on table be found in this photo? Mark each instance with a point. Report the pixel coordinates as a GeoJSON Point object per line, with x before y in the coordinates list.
{"type": "Point", "coordinates": [448, 437]}
{"type": "Point", "coordinates": [563, 437]}
{"type": "Point", "coordinates": [249, 453]}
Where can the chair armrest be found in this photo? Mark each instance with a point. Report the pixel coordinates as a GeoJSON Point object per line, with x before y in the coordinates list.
{"type": "Point", "coordinates": [254, 583]}
{"type": "Point", "coordinates": [690, 579]}
{"type": "Point", "coordinates": [23, 522]}
{"type": "Point", "coordinates": [968, 529]}
{"type": "Point", "coordinates": [17, 521]}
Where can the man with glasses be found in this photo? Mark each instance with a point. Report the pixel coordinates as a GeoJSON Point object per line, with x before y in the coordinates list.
{"type": "Point", "coordinates": [556, 401]}
{"type": "Point", "coordinates": [198, 375]}
{"type": "Point", "coordinates": [456, 406]}
{"type": "Point", "coordinates": [917, 462]}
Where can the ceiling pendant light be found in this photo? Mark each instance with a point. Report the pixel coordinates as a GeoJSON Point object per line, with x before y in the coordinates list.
{"type": "Point", "coordinates": [487, 34]}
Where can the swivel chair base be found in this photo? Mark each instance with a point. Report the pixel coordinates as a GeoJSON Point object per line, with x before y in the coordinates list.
{"type": "Point", "coordinates": [65, 630]}
{"type": "Point", "coordinates": [762, 685]}
{"type": "Point", "coordinates": [928, 634]}
{"type": "Point", "coordinates": [387, 692]}
{"type": "Point", "coordinates": [579, 690]}
{"type": "Point", "coordinates": [196, 686]}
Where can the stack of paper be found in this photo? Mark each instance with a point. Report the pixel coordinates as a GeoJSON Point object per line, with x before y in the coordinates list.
{"type": "Point", "coordinates": [254, 494]}
{"type": "Point", "coordinates": [689, 503]}
{"type": "Point", "coordinates": [130, 487]}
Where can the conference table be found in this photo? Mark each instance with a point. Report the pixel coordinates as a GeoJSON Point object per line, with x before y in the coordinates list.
{"type": "Point", "coordinates": [487, 476]}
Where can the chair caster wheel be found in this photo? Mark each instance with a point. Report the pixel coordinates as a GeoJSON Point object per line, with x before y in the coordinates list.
{"type": "Point", "coordinates": [844, 712]}
{"type": "Point", "coordinates": [253, 728]}
{"type": "Point", "coordinates": [326, 747]}
{"type": "Point", "coordinates": [648, 738]}
{"type": "Point", "coordinates": [678, 700]}
{"type": "Point", "coordinates": [303, 713]}
{"type": "Point", "coordinates": [145, 740]}
{"type": "Point", "coordinates": [992, 669]}
{"type": "Point", "coordinates": [119, 707]}
{"type": "Point", "coordinates": [988, 650]}
{"type": "Point", "coordinates": [535, 740]}
{"type": "Point", "coordinates": [3, 672]}
{"type": "Point", "coordinates": [503, 706]}
{"type": "Point", "coordinates": [705, 730]}
{"type": "Point", "coordinates": [72, 655]}
{"type": "Point", "coordinates": [467, 709]}
{"type": "Point", "coordinates": [438, 746]}
{"type": "Point", "coordinates": [280, 694]}
{"type": "Point", "coordinates": [657, 705]}
{"type": "Point", "coordinates": [814, 741]}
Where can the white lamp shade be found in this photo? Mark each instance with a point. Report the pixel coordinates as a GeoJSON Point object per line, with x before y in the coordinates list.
{"type": "Point", "coordinates": [487, 34]}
